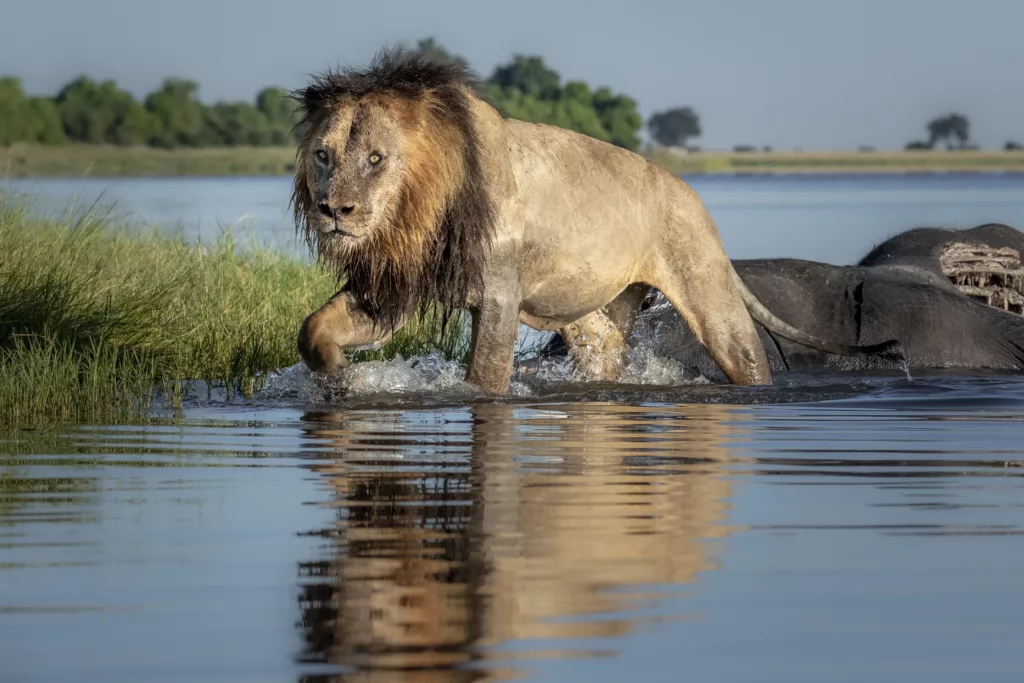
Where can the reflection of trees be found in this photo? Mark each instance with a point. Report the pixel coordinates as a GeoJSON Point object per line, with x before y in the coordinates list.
{"type": "Point", "coordinates": [507, 526]}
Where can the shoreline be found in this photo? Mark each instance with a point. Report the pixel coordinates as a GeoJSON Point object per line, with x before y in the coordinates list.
{"type": "Point", "coordinates": [102, 161]}
{"type": "Point", "coordinates": [897, 162]}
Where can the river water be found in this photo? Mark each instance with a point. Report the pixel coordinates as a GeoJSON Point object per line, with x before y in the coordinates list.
{"type": "Point", "coordinates": [833, 527]}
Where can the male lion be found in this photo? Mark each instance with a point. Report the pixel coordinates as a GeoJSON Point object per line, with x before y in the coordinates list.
{"type": "Point", "coordinates": [417, 192]}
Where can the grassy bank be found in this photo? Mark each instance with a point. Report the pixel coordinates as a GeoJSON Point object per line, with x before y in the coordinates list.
{"type": "Point", "coordinates": [27, 161]}
{"type": "Point", "coordinates": [36, 161]}
{"type": "Point", "coordinates": [98, 321]}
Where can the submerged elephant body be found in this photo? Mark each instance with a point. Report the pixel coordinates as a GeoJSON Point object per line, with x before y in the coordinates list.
{"type": "Point", "coordinates": [951, 298]}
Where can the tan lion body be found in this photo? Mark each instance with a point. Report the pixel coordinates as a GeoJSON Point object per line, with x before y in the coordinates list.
{"type": "Point", "coordinates": [596, 218]}
{"type": "Point", "coordinates": [580, 230]}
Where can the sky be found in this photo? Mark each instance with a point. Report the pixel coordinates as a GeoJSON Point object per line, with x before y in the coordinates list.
{"type": "Point", "coordinates": [815, 74]}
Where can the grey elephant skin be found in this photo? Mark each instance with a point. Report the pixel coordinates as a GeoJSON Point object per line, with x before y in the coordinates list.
{"type": "Point", "coordinates": [903, 290]}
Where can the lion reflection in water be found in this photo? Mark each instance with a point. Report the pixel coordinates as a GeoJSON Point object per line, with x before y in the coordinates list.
{"type": "Point", "coordinates": [519, 527]}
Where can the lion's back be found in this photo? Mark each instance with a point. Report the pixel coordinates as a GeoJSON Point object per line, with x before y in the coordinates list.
{"type": "Point", "coordinates": [566, 176]}
{"type": "Point", "coordinates": [568, 151]}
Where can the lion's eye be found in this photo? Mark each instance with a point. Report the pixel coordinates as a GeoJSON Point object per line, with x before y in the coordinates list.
{"type": "Point", "coordinates": [375, 159]}
{"type": "Point", "coordinates": [321, 156]}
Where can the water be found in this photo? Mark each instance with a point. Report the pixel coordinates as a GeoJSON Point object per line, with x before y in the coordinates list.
{"type": "Point", "coordinates": [828, 218]}
{"type": "Point", "coordinates": [198, 208]}
{"type": "Point", "coordinates": [597, 541]}
{"type": "Point", "coordinates": [832, 527]}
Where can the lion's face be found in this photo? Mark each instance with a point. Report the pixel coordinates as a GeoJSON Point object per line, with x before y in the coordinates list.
{"type": "Point", "coordinates": [354, 172]}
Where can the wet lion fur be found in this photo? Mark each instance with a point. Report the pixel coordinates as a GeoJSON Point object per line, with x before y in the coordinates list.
{"type": "Point", "coordinates": [433, 247]}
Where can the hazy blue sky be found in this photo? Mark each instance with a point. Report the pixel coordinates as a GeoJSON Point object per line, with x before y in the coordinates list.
{"type": "Point", "coordinates": [814, 73]}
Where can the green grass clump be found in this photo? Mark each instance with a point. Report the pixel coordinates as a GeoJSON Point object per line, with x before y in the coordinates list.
{"type": "Point", "coordinates": [96, 382]}
{"type": "Point", "coordinates": [96, 321]}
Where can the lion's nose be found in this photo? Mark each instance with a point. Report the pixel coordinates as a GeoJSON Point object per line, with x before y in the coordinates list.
{"type": "Point", "coordinates": [343, 210]}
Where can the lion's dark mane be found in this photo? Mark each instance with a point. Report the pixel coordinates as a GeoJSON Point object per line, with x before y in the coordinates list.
{"type": "Point", "coordinates": [455, 256]}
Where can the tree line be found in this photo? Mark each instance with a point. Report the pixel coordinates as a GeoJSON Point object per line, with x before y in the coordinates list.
{"type": "Point", "coordinates": [99, 112]}
{"type": "Point", "coordinates": [529, 90]}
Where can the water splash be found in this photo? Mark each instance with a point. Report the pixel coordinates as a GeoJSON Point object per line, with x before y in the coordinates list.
{"type": "Point", "coordinates": [905, 366]}
{"type": "Point", "coordinates": [431, 375]}
{"type": "Point", "coordinates": [644, 366]}
{"type": "Point", "coordinates": [294, 383]}
{"type": "Point", "coordinates": [419, 374]}
{"type": "Point", "coordinates": [427, 374]}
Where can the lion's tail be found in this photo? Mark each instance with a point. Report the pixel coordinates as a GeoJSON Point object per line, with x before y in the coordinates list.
{"type": "Point", "coordinates": [890, 350]}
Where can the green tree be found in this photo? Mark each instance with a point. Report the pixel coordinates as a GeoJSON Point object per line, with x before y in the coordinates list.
{"type": "Point", "coordinates": [566, 112]}
{"type": "Point", "coordinates": [947, 128]}
{"type": "Point", "coordinates": [432, 50]}
{"type": "Point", "coordinates": [27, 119]}
{"type": "Point", "coordinates": [959, 128]}
{"type": "Point", "coordinates": [281, 113]}
{"type": "Point", "coordinates": [102, 113]}
{"type": "Point", "coordinates": [529, 90]}
{"type": "Point", "coordinates": [673, 127]}
{"type": "Point", "coordinates": [236, 123]}
{"type": "Point", "coordinates": [14, 112]}
{"type": "Point", "coordinates": [44, 122]}
{"type": "Point", "coordinates": [938, 129]}
{"type": "Point", "coordinates": [529, 75]}
{"type": "Point", "coordinates": [575, 111]}
{"type": "Point", "coordinates": [180, 114]}
{"type": "Point", "coordinates": [620, 118]}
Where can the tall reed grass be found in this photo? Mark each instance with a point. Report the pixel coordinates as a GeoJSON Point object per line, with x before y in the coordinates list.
{"type": "Point", "coordinates": [99, 320]}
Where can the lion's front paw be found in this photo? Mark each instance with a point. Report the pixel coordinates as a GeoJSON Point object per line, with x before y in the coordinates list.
{"type": "Point", "coordinates": [320, 353]}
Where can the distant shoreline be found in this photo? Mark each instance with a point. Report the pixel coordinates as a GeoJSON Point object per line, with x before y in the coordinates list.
{"type": "Point", "coordinates": [109, 161]}
{"type": "Point", "coordinates": [880, 162]}
{"type": "Point", "coordinates": [76, 161]}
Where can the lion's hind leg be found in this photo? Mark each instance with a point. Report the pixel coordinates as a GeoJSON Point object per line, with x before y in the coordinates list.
{"type": "Point", "coordinates": [718, 317]}
{"type": "Point", "coordinates": [596, 347]}
{"type": "Point", "coordinates": [623, 309]}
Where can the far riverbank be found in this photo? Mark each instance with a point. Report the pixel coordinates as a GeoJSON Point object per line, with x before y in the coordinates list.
{"type": "Point", "coordinates": [73, 161]}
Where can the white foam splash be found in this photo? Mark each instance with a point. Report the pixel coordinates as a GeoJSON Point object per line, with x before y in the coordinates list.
{"type": "Point", "coordinates": [433, 375]}
{"type": "Point", "coordinates": [292, 383]}
{"type": "Point", "coordinates": [644, 366]}
{"type": "Point", "coordinates": [419, 374]}
{"type": "Point", "coordinates": [555, 370]}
